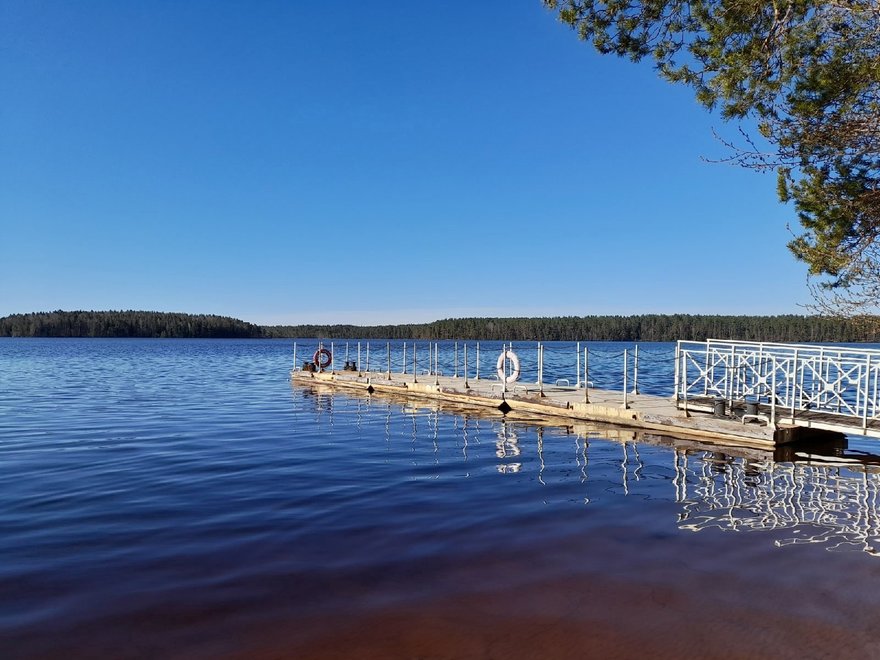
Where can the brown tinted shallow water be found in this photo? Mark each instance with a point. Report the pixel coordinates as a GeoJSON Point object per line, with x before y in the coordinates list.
{"type": "Point", "coordinates": [181, 499]}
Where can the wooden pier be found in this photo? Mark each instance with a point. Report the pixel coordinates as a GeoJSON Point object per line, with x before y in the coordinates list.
{"type": "Point", "coordinates": [566, 405]}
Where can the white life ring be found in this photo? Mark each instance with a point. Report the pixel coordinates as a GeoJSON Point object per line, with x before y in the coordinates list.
{"type": "Point", "coordinates": [513, 376]}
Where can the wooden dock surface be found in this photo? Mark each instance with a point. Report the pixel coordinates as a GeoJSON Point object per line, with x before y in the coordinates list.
{"type": "Point", "coordinates": [563, 403]}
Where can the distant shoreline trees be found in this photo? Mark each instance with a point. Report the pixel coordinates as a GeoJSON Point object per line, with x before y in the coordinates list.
{"type": "Point", "coordinates": [126, 324]}
{"type": "Point", "coordinates": [640, 327]}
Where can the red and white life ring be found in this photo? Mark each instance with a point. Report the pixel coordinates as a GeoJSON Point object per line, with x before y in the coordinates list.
{"type": "Point", "coordinates": [513, 375]}
{"type": "Point", "coordinates": [323, 358]}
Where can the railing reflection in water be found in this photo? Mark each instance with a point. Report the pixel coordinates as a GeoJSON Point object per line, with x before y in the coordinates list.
{"type": "Point", "coordinates": [828, 498]}
{"type": "Point", "coordinates": [834, 505]}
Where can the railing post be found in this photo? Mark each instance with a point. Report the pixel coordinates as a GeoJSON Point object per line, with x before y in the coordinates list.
{"type": "Point", "coordinates": [415, 365]}
{"type": "Point", "coordinates": [773, 392]}
{"type": "Point", "coordinates": [359, 358]}
{"type": "Point", "coordinates": [625, 364]}
{"type": "Point", "coordinates": [794, 383]}
{"type": "Point", "coordinates": [404, 358]}
{"type": "Point", "coordinates": [577, 382]}
{"type": "Point", "coordinates": [677, 374]}
{"type": "Point", "coordinates": [802, 369]}
{"type": "Point", "coordinates": [388, 347]}
{"type": "Point", "coordinates": [538, 358]}
{"type": "Point", "coordinates": [503, 369]}
{"type": "Point", "coordinates": [731, 378]}
{"type": "Point", "coordinates": [636, 371]}
{"type": "Point", "coordinates": [455, 361]}
{"type": "Point", "coordinates": [761, 374]}
{"type": "Point", "coordinates": [294, 356]}
{"type": "Point", "coordinates": [865, 398]}
{"type": "Point", "coordinates": [477, 375]}
{"type": "Point", "coordinates": [466, 386]}
{"type": "Point", "coordinates": [541, 369]}
{"type": "Point", "coordinates": [586, 375]}
{"type": "Point", "coordinates": [332, 358]}
{"type": "Point", "coordinates": [706, 372]}
{"type": "Point", "coordinates": [368, 357]}
{"type": "Point", "coordinates": [436, 364]}
{"type": "Point", "coordinates": [684, 383]}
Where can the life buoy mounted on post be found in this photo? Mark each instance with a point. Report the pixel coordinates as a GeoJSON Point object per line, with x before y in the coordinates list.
{"type": "Point", "coordinates": [513, 375]}
{"type": "Point", "coordinates": [323, 358]}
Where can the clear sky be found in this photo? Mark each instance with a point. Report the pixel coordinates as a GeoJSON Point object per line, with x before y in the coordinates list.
{"type": "Point", "coordinates": [364, 162]}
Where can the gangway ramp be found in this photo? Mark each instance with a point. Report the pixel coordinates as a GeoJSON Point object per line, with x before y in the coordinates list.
{"type": "Point", "coordinates": [831, 387]}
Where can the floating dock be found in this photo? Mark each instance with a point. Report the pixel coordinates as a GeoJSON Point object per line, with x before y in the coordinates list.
{"type": "Point", "coordinates": [566, 405]}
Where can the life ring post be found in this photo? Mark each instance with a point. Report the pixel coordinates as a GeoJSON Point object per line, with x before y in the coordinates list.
{"type": "Point", "coordinates": [322, 358]}
{"type": "Point", "coordinates": [507, 378]}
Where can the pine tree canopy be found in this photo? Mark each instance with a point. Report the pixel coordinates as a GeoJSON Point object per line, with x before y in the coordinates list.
{"type": "Point", "coordinates": [807, 73]}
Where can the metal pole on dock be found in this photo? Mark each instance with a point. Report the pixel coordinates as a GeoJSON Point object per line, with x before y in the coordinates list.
{"type": "Point", "coordinates": [388, 346]}
{"type": "Point", "coordinates": [436, 365]}
{"type": "Point", "coordinates": [415, 365]}
{"type": "Point", "coordinates": [577, 382]}
{"type": "Point", "coordinates": [346, 351]}
{"type": "Point", "coordinates": [359, 357]}
{"type": "Point", "coordinates": [504, 368]}
{"type": "Point", "coordinates": [865, 397]}
{"type": "Point", "coordinates": [761, 367]}
{"type": "Point", "coordinates": [636, 371]}
{"type": "Point", "coordinates": [538, 363]}
{"type": "Point", "coordinates": [404, 358]}
{"type": "Point", "coordinates": [731, 378]}
{"type": "Point", "coordinates": [294, 355]}
{"type": "Point", "coordinates": [477, 377]}
{"type": "Point", "coordinates": [332, 361]}
{"type": "Point", "coordinates": [873, 399]}
{"type": "Point", "coordinates": [466, 386]}
{"type": "Point", "coordinates": [368, 357]}
{"type": "Point", "coordinates": [541, 369]}
{"type": "Point", "coordinates": [706, 371]}
{"type": "Point", "coordinates": [586, 375]}
{"type": "Point", "coordinates": [684, 376]}
{"type": "Point", "coordinates": [456, 360]}
{"type": "Point", "coordinates": [677, 372]}
{"type": "Point", "coordinates": [772, 394]}
{"type": "Point", "coordinates": [625, 364]}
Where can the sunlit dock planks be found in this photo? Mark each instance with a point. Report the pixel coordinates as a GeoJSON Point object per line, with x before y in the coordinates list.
{"type": "Point", "coordinates": [565, 405]}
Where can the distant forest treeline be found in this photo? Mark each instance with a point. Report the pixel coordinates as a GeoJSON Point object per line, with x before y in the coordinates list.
{"type": "Point", "coordinates": [126, 324]}
{"type": "Point", "coordinates": [642, 327]}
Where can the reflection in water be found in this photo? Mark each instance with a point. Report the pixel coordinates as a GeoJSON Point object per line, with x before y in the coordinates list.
{"type": "Point", "coordinates": [829, 499]}
{"type": "Point", "coordinates": [507, 446]}
{"type": "Point", "coordinates": [835, 506]}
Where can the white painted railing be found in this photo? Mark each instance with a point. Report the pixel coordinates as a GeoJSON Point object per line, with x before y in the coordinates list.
{"type": "Point", "coordinates": [791, 379]}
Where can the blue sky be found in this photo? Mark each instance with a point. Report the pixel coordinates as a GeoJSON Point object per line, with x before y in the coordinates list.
{"type": "Point", "coordinates": [365, 162]}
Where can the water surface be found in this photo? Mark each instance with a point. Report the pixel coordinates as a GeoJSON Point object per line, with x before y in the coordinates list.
{"type": "Point", "coordinates": [180, 498]}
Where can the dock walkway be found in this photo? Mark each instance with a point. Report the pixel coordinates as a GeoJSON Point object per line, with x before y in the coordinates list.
{"type": "Point", "coordinates": [565, 404]}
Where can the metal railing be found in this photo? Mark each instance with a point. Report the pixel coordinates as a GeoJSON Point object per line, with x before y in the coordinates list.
{"type": "Point", "coordinates": [792, 379]}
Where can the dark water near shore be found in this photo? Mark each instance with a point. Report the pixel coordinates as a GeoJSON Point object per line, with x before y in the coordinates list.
{"type": "Point", "coordinates": [180, 499]}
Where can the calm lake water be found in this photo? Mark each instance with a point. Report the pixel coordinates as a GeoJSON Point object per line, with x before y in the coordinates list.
{"type": "Point", "coordinates": [179, 498]}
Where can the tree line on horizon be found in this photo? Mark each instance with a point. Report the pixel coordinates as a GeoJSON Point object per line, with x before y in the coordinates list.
{"type": "Point", "coordinates": [126, 324]}
{"type": "Point", "coordinates": [638, 327]}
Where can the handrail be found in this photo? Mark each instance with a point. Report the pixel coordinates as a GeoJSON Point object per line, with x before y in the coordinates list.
{"type": "Point", "coordinates": [798, 379]}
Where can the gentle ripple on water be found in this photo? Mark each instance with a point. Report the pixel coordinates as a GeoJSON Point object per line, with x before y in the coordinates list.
{"type": "Point", "coordinates": [180, 498]}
